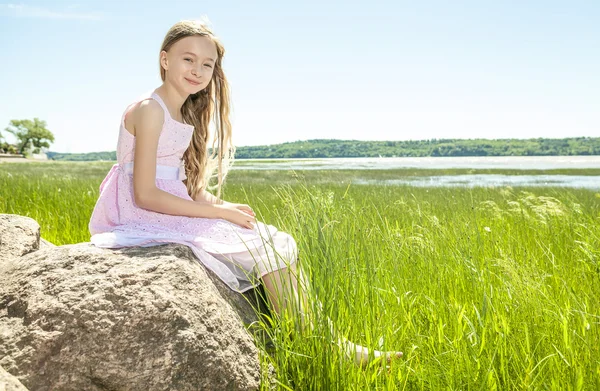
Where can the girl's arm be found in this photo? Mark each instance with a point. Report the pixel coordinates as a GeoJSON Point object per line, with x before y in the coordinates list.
{"type": "Point", "coordinates": [207, 197]}
{"type": "Point", "coordinates": [148, 118]}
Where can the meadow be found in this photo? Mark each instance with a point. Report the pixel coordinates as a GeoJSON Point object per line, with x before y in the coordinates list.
{"type": "Point", "coordinates": [482, 288]}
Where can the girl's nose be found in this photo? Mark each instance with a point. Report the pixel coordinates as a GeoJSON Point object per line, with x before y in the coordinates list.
{"type": "Point", "coordinates": [197, 71]}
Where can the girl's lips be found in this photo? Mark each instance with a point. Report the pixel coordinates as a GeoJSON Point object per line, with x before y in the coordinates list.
{"type": "Point", "coordinates": [191, 82]}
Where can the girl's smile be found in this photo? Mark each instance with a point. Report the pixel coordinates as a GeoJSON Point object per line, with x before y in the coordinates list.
{"type": "Point", "coordinates": [192, 82]}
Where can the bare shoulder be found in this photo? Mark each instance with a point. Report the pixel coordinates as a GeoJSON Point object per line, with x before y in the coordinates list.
{"type": "Point", "coordinates": [147, 114]}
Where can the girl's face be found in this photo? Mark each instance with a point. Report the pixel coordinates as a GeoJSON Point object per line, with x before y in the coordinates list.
{"type": "Point", "coordinates": [189, 63]}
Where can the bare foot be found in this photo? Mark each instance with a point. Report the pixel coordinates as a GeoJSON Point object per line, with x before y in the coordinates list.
{"type": "Point", "coordinates": [363, 357]}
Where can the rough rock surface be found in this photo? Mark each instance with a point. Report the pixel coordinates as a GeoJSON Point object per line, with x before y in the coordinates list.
{"type": "Point", "coordinates": [44, 243]}
{"type": "Point", "coordinates": [19, 235]}
{"type": "Point", "coordinates": [10, 383]}
{"type": "Point", "coordinates": [77, 317]}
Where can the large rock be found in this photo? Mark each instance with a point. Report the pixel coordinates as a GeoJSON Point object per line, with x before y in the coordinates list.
{"type": "Point", "coordinates": [77, 317]}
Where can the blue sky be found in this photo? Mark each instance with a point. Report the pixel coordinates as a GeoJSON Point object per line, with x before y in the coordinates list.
{"type": "Point", "coordinates": [368, 70]}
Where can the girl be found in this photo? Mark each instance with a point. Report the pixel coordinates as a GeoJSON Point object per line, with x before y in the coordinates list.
{"type": "Point", "coordinates": [157, 192]}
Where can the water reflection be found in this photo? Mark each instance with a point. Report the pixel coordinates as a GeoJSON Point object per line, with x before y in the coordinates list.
{"type": "Point", "coordinates": [468, 180]}
{"type": "Point", "coordinates": [508, 162]}
{"type": "Point", "coordinates": [492, 180]}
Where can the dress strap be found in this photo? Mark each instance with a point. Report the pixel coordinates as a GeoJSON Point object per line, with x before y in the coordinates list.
{"type": "Point", "coordinates": [157, 97]}
{"type": "Point", "coordinates": [144, 97]}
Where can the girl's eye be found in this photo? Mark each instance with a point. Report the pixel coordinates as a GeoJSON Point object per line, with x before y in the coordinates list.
{"type": "Point", "coordinates": [187, 59]}
{"type": "Point", "coordinates": [208, 65]}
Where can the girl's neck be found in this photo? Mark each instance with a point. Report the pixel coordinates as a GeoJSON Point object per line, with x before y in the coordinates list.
{"type": "Point", "coordinates": [172, 98]}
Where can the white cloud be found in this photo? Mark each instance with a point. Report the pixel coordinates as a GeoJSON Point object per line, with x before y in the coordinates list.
{"type": "Point", "coordinates": [28, 11]}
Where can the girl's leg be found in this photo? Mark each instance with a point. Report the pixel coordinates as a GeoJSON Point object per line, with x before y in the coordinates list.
{"type": "Point", "coordinates": [280, 287]}
{"type": "Point", "coordinates": [285, 292]}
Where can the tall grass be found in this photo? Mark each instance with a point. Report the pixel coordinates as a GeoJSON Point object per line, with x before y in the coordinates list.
{"type": "Point", "coordinates": [482, 289]}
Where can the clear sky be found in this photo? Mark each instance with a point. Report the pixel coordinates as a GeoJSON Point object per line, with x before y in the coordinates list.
{"type": "Point", "coordinates": [366, 70]}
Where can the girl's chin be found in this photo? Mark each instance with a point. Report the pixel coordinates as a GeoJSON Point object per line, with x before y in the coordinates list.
{"type": "Point", "coordinates": [194, 89]}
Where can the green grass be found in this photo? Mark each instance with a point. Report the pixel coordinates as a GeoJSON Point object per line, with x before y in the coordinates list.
{"type": "Point", "coordinates": [482, 289]}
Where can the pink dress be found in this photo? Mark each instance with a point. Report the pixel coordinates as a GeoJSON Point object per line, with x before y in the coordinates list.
{"type": "Point", "coordinates": [237, 255]}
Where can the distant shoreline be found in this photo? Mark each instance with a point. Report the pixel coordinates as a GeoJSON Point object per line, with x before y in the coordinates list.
{"type": "Point", "coordinates": [324, 148]}
{"type": "Point", "coordinates": [283, 160]}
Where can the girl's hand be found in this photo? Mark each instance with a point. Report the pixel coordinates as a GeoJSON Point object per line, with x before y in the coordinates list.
{"type": "Point", "coordinates": [243, 207]}
{"type": "Point", "coordinates": [239, 214]}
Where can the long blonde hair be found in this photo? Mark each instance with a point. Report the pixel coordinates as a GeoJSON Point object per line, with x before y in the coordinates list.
{"type": "Point", "coordinates": [197, 110]}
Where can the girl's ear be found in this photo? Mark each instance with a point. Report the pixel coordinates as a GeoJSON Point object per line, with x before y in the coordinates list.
{"type": "Point", "coordinates": [163, 60]}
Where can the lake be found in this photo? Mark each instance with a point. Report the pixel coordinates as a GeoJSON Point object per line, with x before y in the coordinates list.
{"type": "Point", "coordinates": [508, 162]}
{"type": "Point", "coordinates": [591, 182]}
{"type": "Point", "coordinates": [494, 180]}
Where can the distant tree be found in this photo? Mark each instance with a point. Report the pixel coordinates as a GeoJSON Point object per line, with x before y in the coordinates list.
{"type": "Point", "coordinates": [30, 132]}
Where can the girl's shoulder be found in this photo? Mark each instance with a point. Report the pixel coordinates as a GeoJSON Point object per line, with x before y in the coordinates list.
{"type": "Point", "coordinates": [143, 113]}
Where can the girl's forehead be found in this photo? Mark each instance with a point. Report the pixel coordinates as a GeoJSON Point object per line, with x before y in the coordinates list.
{"type": "Point", "coordinates": [198, 45]}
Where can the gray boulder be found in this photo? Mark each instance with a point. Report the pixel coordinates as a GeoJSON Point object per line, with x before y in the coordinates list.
{"type": "Point", "coordinates": [77, 317]}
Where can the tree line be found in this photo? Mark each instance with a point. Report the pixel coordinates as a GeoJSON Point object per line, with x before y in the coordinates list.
{"type": "Point", "coordinates": [332, 148]}
{"type": "Point", "coordinates": [32, 135]}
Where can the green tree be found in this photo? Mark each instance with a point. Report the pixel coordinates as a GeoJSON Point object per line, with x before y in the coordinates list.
{"type": "Point", "coordinates": [30, 132]}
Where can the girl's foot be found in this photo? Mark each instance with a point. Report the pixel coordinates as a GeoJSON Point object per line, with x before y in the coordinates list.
{"type": "Point", "coordinates": [363, 357]}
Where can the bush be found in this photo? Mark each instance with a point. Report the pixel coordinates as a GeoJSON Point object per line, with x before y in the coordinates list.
{"type": "Point", "coordinates": [8, 148]}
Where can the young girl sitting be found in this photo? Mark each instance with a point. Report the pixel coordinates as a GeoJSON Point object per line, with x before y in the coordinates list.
{"type": "Point", "coordinates": [157, 192]}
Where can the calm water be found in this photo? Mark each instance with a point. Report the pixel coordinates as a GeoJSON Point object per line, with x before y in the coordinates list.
{"type": "Point", "coordinates": [506, 162]}
{"type": "Point", "coordinates": [575, 181]}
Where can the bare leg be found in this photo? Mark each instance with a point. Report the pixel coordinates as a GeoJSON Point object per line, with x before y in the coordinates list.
{"type": "Point", "coordinates": [283, 293]}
